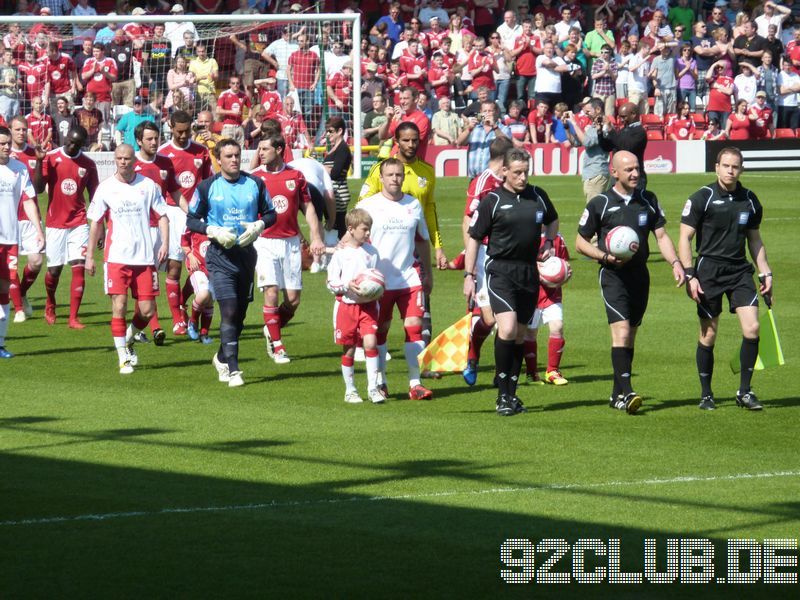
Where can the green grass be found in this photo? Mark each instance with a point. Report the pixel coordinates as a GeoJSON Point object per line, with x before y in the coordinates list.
{"type": "Point", "coordinates": [281, 489]}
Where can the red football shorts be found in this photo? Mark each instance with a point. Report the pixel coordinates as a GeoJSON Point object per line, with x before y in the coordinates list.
{"type": "Point", "coordinates": [351, 322]}
{"type": "Point", "coordinates": [141, 280]}
{"type": "Point", "coordinates": [410, 302]}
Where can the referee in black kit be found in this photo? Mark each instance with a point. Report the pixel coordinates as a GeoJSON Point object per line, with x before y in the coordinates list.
{"type": "Point", "coordinates": [512, 217]}
{"type": "Point", "coordinates": [233, 209]}
{"type": "Point", "coordinates": [724, 215]}
{"type": "Point", "coordinates": [625, 285]}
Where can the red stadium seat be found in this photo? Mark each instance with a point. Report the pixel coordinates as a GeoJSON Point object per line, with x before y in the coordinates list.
{"type": "Point", "coordinates": [652, 122]}
{"type": "Point", "coordinates": [620, 102]}
{"type": "Point", "coordinates": [698, 135]}
{"type": "Point", "coordinates": [655, 134]}
{"type": "Point", "coordinates": [784, 133]}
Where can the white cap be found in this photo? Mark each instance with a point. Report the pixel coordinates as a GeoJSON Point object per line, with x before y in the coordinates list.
{"type": "Point", "coordinates": [138, 11]}
{"type": "Point", "coordinates": [176, 8]}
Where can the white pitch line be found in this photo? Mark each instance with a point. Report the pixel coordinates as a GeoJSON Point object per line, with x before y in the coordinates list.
{"type": "Point", "coordinates": [363, 499]}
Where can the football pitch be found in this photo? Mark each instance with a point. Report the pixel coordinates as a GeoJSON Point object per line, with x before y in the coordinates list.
{"type": "Point", "coordinates": [166, 483]}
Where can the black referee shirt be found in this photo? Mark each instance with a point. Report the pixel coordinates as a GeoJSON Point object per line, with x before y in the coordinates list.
{"type": "Point", "coordinates": [721, 220]}
{"type": "Point", "coordinates": [513, 223]}
{"type": "Point", "coordinates": [606, 211]}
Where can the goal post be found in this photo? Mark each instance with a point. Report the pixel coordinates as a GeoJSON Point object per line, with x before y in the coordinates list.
{"type": "Point", "coordinates": [235, 43]}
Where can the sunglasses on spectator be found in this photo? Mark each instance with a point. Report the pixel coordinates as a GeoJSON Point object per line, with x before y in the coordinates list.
{"type": "Point", "coordinates": [494, 37]}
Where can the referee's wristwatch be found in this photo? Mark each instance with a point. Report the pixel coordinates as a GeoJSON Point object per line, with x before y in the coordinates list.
{"type": "Point", "coordinates": [468, 274]}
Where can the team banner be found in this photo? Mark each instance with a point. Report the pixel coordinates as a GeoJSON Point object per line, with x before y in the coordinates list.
{"type": "Point", "coordinates": [447, 352]}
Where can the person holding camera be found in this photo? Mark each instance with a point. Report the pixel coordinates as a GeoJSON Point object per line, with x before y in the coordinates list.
{"type": "Point", "coordinates": [481, 130]}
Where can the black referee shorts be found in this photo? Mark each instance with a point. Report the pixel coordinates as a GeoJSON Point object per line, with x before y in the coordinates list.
{"type": "Point", "coordinates": [717, 278]}
{"type": "Point", "coordinates": [625, 293]}
{"type": "Point", "coordinates": [513, 287]}
{"type": "Point", "coordinates": [231, 272]}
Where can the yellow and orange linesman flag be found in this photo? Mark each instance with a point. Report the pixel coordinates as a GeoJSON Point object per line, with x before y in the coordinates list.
{"type": "Point", "coordinates": [447, 352]}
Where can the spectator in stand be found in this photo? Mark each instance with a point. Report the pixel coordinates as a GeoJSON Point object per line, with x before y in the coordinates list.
{"type": "Point", "coordinates": [230, 107]}
{"type": "Point", "coordinates": [303, 73]}
{"type": "Point", "coordinates": [502, 75]}
{"type": "Point", "coordinates": [252, 127]}
{"type": "Point", "coordinates": [80, 58]}
{"type": "Point", "coordinates": [565, 24]}
{"type": "Point", "coordinates": [180, 81]}
{"type": "Point", "coordinates": [436, 33]}
{"type": "Point", "coordinates": [718, 21]}
{"type": "Point", "coordinates": [745, 84]}
{"type": "Point", "coordinates": [509, 30]}
{"type": "Point", "coordinates": [681, 16]}
{"type": "Point", "coordinates": [277, 54]}
{"type": "Point", "coordinates": [61, 76]}
{"type": "Point", "coordinates": [123, 89]}
{"type": "Point", "coordinates": [479, 135]}
{"type": "Point", "coordinates": [40, 125]}
{"type": "Point", "coordinates": [188, 48]}
{"type": "Point", "coordinates": [206, 72]}
{"type": "Point", "coordinates": [413, 65]}
{"type": "Point", "coordinates": [539, 25]}
{"type": "Point", "coordinates": [33, 76]}
{"type": "Point", "coordinates": [337, 163]}
{"type": "Point", "coordinates": [604, 76]}
{"type": "Point", "coordinates": [371, 86]}
{"type": "Point", "coordinates": [63, 121]}
{"type": "Point", "coordinates": [434, 10]}
{"type": "Point", "coordinates": [761, 122]}
{"type": "Point", "coordinates": [720, 93]}
{"type": "Point", "coordinates": [176, 32]}
{"type": "Point", "coordinates": [662, 73]}
{"type": "Point", "coordinates": [82, 9]}
{"type": "Point", "coordinates": [526, 48]}
{"type": "Point", "coordinates": [393, 22]}
{"type": "Point", "coordinates": [681, 126]}
{"type": "Point", "coordinates": [517, 123]}
{"type": "Point", "coordinates": [706, 52]}
{"type": "Point", "coordinates": [573, 82]}
{"type": "Point", "coordinates": [793, 49]}
{"type": "Point", "coordinates": [156, 58]}
{"type": "Point", "coordinates": [207, 135]}
{"type": "Point", "coordinates": [767, 76]}
{"type": "Point", "coordinates": [130, 120]}
{"type": "Point", "coordinates": [548, 75]}
{"type": "Point", "coordinates": [421, 36]}
{"type": "Point", "coordinates": [774, 14]}
{"type": "Point", "coordinates": [395, 82]}
{"type": "Point", "coordinates": [626, 26]}
{"type": "Point", "coordinates": [269, 98]}
{"type": "Point", "coordinates": [639, 77]}
{"type": "Point", "coordinates": [481, 66]}
{"type": "Point", "coordinates": [789, 96]}
{"type": "Point", "coordinates": [540, 122]}
{"type": "Point", "coordinates": [15, 41]}
{"type": "Point", "coordinates": [373, 120]}
{"type": "Point", "coordinates": [738, 26]}
{"type": "Point", "coordinates": [439, 77]}
{"type": "Point", "coordinates": [106, 34]}
{"type": "Point", "coordinates": [90, 118]}
{"type": "Point", "coordinates": [446, 125]}
{"type": "Point", "coordinates": [594, 43]}
{"type": "Point", "coordinates": [774, 45]}
{"type": "Point", "coordinates": [340, 95]}
{"type": "Point", "coordinates": [749, 46]}
{"type": "Point", "coordinates": [687, 75]}
{"type": "Point", "coordinates": [98, 75]}
{"type": "Point", "coordinates": [293, 126]}
{"type": "Point", "coordinates": [423, 104]}
{"type": "Point", "coordinates": [407, 110]}
{"type": "Point", "coordinates": [623, 58]}
{"type": "Point", "coordinates": [9, 87]}
{"type": "Point", "coordinates": [475, 107]}
{"type": "Point", "coordinates": [713, 133]}
{"type": "Point", "coordinates": [725, 51]}
{"type": "Point", "coordinates": [738, 125]}
{"type": "Point", "coordinates": [455, 33]}
{"type": "Point", "coordinates": [594, 163]}
{"type": "Point", "coordinates": [548, 10]}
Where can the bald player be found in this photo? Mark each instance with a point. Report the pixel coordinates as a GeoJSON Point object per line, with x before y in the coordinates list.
{"type": "Point", "coordinates": [625, 284]}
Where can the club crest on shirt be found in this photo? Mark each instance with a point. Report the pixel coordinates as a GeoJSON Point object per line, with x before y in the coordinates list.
{"type": "Point", "coordinates": [642, 219]}
{"type": "Point", "coordinates": [198, 162]}
{"type": "Point", "coordinates": [422, 182]}
{"type": "Point", "coordinates": [81, 172]}
{"type": "Point", "coordinates": [743, 218]}
{"type": "Point", "coordinates": [290, 185]}
{"type": "Point", "coordinates": [31, 164]}
{"type": "Point", "coordinates": [539, 216]}
{"type": "Point", "coordinates": [163, 174]}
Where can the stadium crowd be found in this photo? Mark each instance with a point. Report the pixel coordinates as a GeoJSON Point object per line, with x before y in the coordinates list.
{"type": "Point", "coordinates": [687, 66]}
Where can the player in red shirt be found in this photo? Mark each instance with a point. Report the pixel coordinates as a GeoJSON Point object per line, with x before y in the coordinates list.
{"type": "Point", "coordinates": [192, 164]}
{"type": "Point", "coordinates": [194, 246]}
{"type": "Point", "coordinates": [28, 236]}
{"type": "Point", "coordinates": [482, 316]}
{"type": "Point", "coordinates": [40, 125]}
{"type": "Point", "coordinates": [230, 105]}
{"type": "Point", "coordinates": [61, 76]}
{"type": "Point", "coordinates": [414, 64]}
{"type": "Point", "coordinates": [761, 127]}
{"type": "Point", "coordinates": [549, 310]}
{"type": "Point", "coordinates": [279, 264]}
{"type": "Point", "coordinates": [159, 168]}
{"type": "Point", "coordinates": [407, 110]}
{"type": "Point", "coordinates": [68, 174]}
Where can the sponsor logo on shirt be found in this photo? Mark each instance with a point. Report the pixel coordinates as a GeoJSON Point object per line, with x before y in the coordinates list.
{"type": "Point", "coordinates": [687, 208]}
{"type": "Point", "coordinates": [281, 203]}
{"type": "Point", "coordinates": [69, 187]}
{"type": "Point", "coordinates": [584, 218]}
{"type": "Point", "coordinates": [743, 218]}
{"type": "Point", "coordinates": [539, 216]}
{"type": "Point", "coordinates": [186, 179]}
{"type": "Point", "coordinates": [642, 219]}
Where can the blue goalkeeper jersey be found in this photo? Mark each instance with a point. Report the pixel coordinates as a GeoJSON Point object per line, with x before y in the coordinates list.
{"type": "Point", "coordinates": [224, 203]}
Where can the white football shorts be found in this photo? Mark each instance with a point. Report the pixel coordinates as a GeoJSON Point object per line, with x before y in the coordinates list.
{"type": "Point", "coordinates": [201, 283]}
{"type": "Point", "coordinates": [27, 239]}
{"type": "Point", "coordinates": [177, 225]}
{"type": "Point", "coordinates": [279, 263]}
{"type": "Point", "coordinates": [66, 245]}
{"type": "Point", "coordinates": [554, 312]}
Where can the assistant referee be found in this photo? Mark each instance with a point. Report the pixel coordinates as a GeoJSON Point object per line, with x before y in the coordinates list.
{"type": "Point", "coordinates": [625, 285]}
{"type": "Point", "coordinates": [233, 209]}
{"type": "Point", "coordinates": [512, 217]}
{"type": "Point", "coordinates": [724, 216]}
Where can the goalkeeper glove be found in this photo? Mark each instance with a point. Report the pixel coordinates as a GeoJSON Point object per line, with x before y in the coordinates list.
{"type": "Point", "coordinates": [223, 235]}
{"type": "Point", "coordinates": [251, 232]}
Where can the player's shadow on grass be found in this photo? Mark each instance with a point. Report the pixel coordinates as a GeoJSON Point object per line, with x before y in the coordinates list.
{"type": "Point", "coordinates": [61, 350]}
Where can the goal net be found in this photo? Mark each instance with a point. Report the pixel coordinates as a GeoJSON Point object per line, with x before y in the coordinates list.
{"type": "Point", "coordinates": [298, 69]}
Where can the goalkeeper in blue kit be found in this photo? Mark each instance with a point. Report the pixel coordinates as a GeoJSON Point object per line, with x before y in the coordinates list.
{"type": "Point", "coordinates": [233, 209]}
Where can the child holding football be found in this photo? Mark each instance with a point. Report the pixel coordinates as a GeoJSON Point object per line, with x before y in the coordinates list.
{"type": "Point", "coordinates": [549, 310]}
{"type": "Point", "coordinates": [354, 319]}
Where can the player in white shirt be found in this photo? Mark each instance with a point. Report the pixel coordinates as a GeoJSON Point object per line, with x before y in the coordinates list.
{"type": "Point", "coordinates": [15, 187]}
{"type": "Point", "coordinates": [124, 202]}
{"type": "Point", "coordinates": [355, 322]}
{"type": "Point", "coordinates": [398, 231]}
{"type": "Point", "coordinates": [320, 187]}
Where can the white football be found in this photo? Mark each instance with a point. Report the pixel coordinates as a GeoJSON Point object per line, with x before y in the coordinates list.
{"type": "Point", "coordinates": [622, 242]}
{"type": "Point", "coordinates": [554, 272]}
{"type": "Point", "coordinates": [370, 284]}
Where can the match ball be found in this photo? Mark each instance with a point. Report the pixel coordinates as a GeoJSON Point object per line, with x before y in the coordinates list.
{"type": "Point", "coordinates": [554, 272]}
{"type": "Point", "coordinates": [370, 284]}
{"type": "Point", "coordinates": [622, 242]}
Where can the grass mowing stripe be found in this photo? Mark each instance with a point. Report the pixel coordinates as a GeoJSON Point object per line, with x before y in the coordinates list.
{"type": "Point", "coordinates": [299, 503]}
